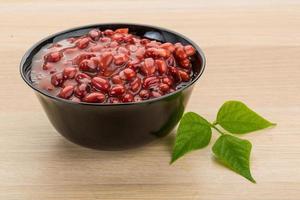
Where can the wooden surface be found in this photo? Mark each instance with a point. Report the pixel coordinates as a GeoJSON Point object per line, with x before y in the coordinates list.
{"type": "Point", "coordinates": [252, 50]}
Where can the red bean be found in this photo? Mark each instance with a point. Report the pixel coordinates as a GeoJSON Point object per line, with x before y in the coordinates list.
{"type": "Point", "coordinates": [108, 32]}
{"type": "Point", "coordinates": [185, 63]}
{"type": "Point", "coordinates": [132, 48]}
{"type": "Point", "coordinates": [95, 34]}
{"type": "Point", "coordinates": [81, 90]}
{"type": "Point", "coordinates": [169, 46]}
{"type": "Point", "coordinates": [120, 59]}
{"type": "Point", "coordinates": [83, 78]}
{"type": "Point", "coordinates": [122, 30]}
{"type": "Point", "coordinates": [157, 52]}
{"type": "Point", "coordinates": [66, 92]}
{"type": "Point", "coordinates": [94, 97]}
{"type": "Point", "coordinates": [144, 41]}
{"type": "Point", "coordinates": [153, 44]}
{"type": "Point", "coordinates": [81, 57]}
{"type": "Point", "coordinates": [167, 80]}
{"type": "Point", "coordinates": [83, 43]}
{"type": "Point", "coordinates": [184, 75]}
{"type": "Point", "coordinates": [161, 66]}
{"type": "Point", "coordinates": [53, 56]}
{"type": "Point", "coordinates": [164, 87]}
{"type": "Point", "coordinates": [178, 45]}
{"type": "Point", "coordinates": [180, 53]}
{"type": "Point", "coordinates": [129, 73]}
{"type": "Point", "coordinates": [175, 74]}
{"type": "Point", "coordinates": [171, 61]}
{"type": "Point", "coordinates": [148, 68]}
{"type": "Point", "coordinates": [135, 85]}
{"type": "Point", "coordinates": [144, 94]}
{"type": "Point", "coordinates": [123, 50]}
{"type": "Point", "coordinates": [116, 79]}
{"type": "Point", "coordinates": [150, 82]}
{"type": "Point", "coordinates": [140, 53]}
{"type": "Point", "coordinates": [128, 39]}
{"type": "Point", "coordinates": [106, 40]}
{"type": "Point", "coordinates": [57, 79]}
{"type": "Point", "coordinates": [69, 72]}
{"type": "Point", "coordinates": [127, 98]}
{"type": "Point", "coordinates": [134, 64]}
{"type": "Point", "coordinates": [88, 65]}
{"type": "Point", "coordinates": [117, 37]}
{"type": "Point", "coordinates": [105, 60]}
{"type": "Point", "coordinates": [100, 84]}
{"type": "Point", "coordinates": [155, 94]}
{"type": "Point", "coordinates": [117, 90]}
{"type": "Point", "coordinates": [189, 50]}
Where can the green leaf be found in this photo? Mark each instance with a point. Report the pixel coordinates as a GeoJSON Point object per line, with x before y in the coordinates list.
{"type": "Point", "coordinates": [234, 153]}
{"type": "Point", "coordinates": [236, 117]}
{"type": "Point", "coordinates": [194, 132]}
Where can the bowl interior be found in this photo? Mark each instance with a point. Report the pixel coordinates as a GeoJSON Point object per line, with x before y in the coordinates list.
{"type": "Point", "coordinates": [145, 31]}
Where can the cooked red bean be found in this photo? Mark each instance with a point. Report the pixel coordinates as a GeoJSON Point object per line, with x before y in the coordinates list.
{"type": "Point", "coordinates": [100, 84]}
{"type": "Point", "coordinates": [149, 67]}
{"type": "Point", "coordinates": [185, 63]}
{"type": "Point", "coordinates": [94, 97]}
{"type": "Point", "coordinates": [69, 72]}
{"type": "Point", "coordinates": [155, 94]}
{"type": "Point", "coordinates": [161, 66]}
{"type": "Point", "coordinates": [105, 60]}
{"type": "Point", "coordinates": [168, 46]}
{"type": "Point", "coordinates": [150, 81]}
{"type": "Point", "coordinates": [184, 75]}
{"type": "Point", "coordinates": [117, 90]}
{"type": "Point", "coordinates": [57, 79]}
{"type": "Point", "coordinates": [95, 34]}
{"type": "Point", "coordinates": [189, 50]}
{"type": "Point", "coordinates": [112, 66]}
{"type": "Point", "coordinates": [168, 81]}
{"type": "Point", "coordinates": [135, 85]}
{"type": "Point", "coordinates": [129, 73]}
{"type": "Point", "coordinates": [66, 92]}
{"type": "Point", "coordinates": [164, 87]}
{"type": "Point", "coordinates": [88, 65]}
{"type": "Point", "coordinates": [116, 79]}
{"type": "Point", "coordinates": [175, 74]}
{"type": "Point", "coordinates": [120, 59]}
{"type": "Point", "coordinates": [127, 98]}
{"type": "Point", "coordinates": [83, 43]}
{"type": "Point", "coordinates": [83, 78]}
{"type": "Point", "coordinates": [144, 94]}
{"type": "Point", "coordinates": [53, 57]}
{"type": "Point", "coordinates": [81, 90]}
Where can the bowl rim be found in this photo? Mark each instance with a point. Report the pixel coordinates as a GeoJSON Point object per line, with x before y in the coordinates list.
{"type": "Point", "coordinates": [28, 52]}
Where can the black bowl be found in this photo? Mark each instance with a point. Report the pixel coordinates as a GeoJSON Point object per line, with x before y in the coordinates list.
{"type": "Point", "coordinates": [115, 126]}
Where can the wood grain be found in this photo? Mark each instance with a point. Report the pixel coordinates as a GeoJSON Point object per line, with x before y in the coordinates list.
{"type": "Point", "coordinates": [252, 50]}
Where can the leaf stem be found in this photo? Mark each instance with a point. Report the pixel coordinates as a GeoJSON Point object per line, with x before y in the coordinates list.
{"type": "Point", "coordinates": [216, 128]}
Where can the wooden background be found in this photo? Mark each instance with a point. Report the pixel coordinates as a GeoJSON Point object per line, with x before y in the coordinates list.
{"type": "Point", "coordinates": [253, 55]}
